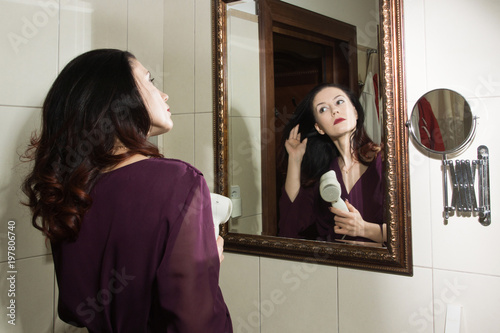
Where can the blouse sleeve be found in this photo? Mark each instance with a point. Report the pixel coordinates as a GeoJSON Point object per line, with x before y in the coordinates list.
{"type": "Point", "coordinates": [188, 275]}
{"type": "Point", "coordinates": [297, 218]}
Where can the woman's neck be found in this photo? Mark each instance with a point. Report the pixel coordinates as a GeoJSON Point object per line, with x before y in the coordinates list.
{"type": "Point", "coordinates": [121, 149]}
{"type": "Point", "coordinates": [130, 160]}
{"type": "Point", "coordinates": [343, 145]}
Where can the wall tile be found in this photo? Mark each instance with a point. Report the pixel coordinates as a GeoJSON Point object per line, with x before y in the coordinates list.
{"type": "Point", "coordinates": [415, 51]}
{"type": "Point", "coordinates": [145, 36]}
{"type": "Point", "coordinates": [243, 64]}
{"type": "Point", "coordinates": [245, 162]}
{"type": "Point", "coordinates": [477, 295]}
{"type": "Point", "coordinates": [145, 41]}
{"type": "Point", "coordinates": [179, 142]}
{"type": "Point", "coordinates": [179, 53]}
{"type": "Point", "coordinates": [203, 80]}
{"type": "Point", "coordinates": [204, 146]}
{"type": "Point", "coordinates": [297, 297]}
{"type": "Point", "coordinates": [348, 11]}
{"type": "Point", "coordinates": [29, 51]}
{"type": "Point", "coordinates": [29, 241]}
{"type": "Point", "coordinates": [469, 66]}
{"type": "Point", "coordinates": [16, 125]}
{"type": "Point", "coordinates": [34, 293]}
{"type": "Point", "coordinates": [251, 225]}
{"type": "Point", "coordinates": [420, 218]}
{"type": "Point", "coordinates": [91, 24]}
{"type": "Point", "coordinates": [380, 302]}
{"type": "Point", "coordinates": [239, 282]}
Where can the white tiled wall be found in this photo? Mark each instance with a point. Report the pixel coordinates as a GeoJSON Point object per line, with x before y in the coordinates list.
{"type": "Point", "coordinates": [378, 302]}
{"type": "Point", "coordinates": [188, 82]}
{"type": "Point", "coordinates": [297, 297]}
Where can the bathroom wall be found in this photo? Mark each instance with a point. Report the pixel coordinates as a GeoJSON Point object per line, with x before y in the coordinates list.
{"type": "Point", "coordinates": [188, 80]}
{"type": "Point", "coordinates": [447, 44]}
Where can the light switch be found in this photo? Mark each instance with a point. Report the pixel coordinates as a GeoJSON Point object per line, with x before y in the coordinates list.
{"type": "Point", "coordinates": [236, 200]}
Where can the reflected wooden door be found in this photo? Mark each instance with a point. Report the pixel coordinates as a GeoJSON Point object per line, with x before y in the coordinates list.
{"type": "Point", "coordinates": [297, 54]}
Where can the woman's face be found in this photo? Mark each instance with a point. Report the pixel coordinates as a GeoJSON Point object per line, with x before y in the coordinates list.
{"type": "Point", "coordinates": [334, 113]}
{"type": "Point", "coordinates": [155, 100]}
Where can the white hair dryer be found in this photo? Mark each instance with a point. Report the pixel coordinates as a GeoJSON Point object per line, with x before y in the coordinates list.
{"type": "Point", "coordinates": [329, 189]}
{"type": "Point", "coordinates": [221, 210]}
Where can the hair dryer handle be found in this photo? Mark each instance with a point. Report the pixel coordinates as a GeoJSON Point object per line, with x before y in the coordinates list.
{"type": "Point", "coordinates": [340, 204]}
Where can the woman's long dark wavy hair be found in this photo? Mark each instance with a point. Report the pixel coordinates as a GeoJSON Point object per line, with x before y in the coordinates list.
{"type": "Point", "coordinates": [93, 103]}
{"type": "Point", "coordinates": [320, 150]}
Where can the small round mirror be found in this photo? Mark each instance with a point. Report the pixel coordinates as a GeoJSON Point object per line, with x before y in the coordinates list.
{"type": "Point", "coordinates": [441, 122]}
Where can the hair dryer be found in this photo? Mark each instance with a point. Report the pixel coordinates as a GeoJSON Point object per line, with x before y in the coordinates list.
{"type": "Point", "coordinates": [329, 189]}
{"type": "Point", "coordinates": [221, 210]}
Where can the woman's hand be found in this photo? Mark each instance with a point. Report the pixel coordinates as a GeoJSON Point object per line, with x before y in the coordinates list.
{"type": "Point", "coordinates": [348, 223]}
{"type": "Point", "coordinates": [294, 147]}
{"type": "Point", "coordinates": [220, 248]}
{"type": "Point", "coordinates": [351, 223]}
{"type": "Point", "coordinates": [296, 151]}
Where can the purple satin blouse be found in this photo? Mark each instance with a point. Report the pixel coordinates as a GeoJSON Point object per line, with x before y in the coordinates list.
{"type": "Point", "coordinates": [146, 257]}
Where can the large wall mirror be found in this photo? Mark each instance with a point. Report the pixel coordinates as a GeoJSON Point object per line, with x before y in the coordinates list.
{"type": "Point", "coordinates": [267, 55]}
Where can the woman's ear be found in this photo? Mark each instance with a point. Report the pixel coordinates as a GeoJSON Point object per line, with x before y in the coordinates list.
{"type": "Point", "coordinates": [320, 131]}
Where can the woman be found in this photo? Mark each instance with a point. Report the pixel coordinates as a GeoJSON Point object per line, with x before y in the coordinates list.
{"type": "Point", "coordinates": [330, 119]}
{"type": "Point", "coordinates": [131, 232]}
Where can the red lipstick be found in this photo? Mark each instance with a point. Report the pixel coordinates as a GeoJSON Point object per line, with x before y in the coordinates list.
{"type": "Point", "coordinates": [338, 120]}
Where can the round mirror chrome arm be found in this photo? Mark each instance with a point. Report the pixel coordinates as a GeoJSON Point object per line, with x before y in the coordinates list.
{"type": "Point", "coordinates": [461, 172]}
{"type": "Point", "coordinates": [447, 209]}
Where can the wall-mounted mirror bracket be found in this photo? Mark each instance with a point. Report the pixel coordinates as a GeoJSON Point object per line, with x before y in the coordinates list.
{"type": "Point", "coordinates": [442, 124]}
{"type": "Point", "coordinates": [463, 199]}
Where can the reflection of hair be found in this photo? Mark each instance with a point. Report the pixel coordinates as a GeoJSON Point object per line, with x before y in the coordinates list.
{"type": "Point", "coordinates": [320, 149]}
{"type": "Point", "coordinates": [93, 103]}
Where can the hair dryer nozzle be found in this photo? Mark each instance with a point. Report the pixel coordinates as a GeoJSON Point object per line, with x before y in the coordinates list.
{"type": "Point", "coordinates": [329, 189]}
{"type": "Point", "coordinates": [221, 210]}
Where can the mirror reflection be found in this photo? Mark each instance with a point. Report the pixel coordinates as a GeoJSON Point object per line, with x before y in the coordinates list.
{"type": "Point", "coordinates": [441, 121]}
{"type": "Point", "coordinates": [334, 186]}
{"type": "Point", "coordinates": [300, 62]}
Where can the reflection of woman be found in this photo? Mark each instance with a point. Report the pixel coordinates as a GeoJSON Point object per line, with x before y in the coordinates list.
{"type": "Point", "coordinates": [131, 232]}
{"type": "Point", "coordinates": [330, 119]}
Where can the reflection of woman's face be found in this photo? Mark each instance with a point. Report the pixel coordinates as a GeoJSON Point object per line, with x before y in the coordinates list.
{"type": "Point", "coordinates": [334, 113]}
{"type": "Point", "coordinates": [155, 100]}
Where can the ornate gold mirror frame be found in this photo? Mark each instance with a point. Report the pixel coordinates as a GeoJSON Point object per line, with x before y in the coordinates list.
{"type": "Point", "coordinates": [397, 257]}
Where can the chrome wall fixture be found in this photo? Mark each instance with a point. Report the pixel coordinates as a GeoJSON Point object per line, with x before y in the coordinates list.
{"type": "Point", "coordinates": [442, 123]}
{"type": "Point", "coordinates": [463, 200]}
